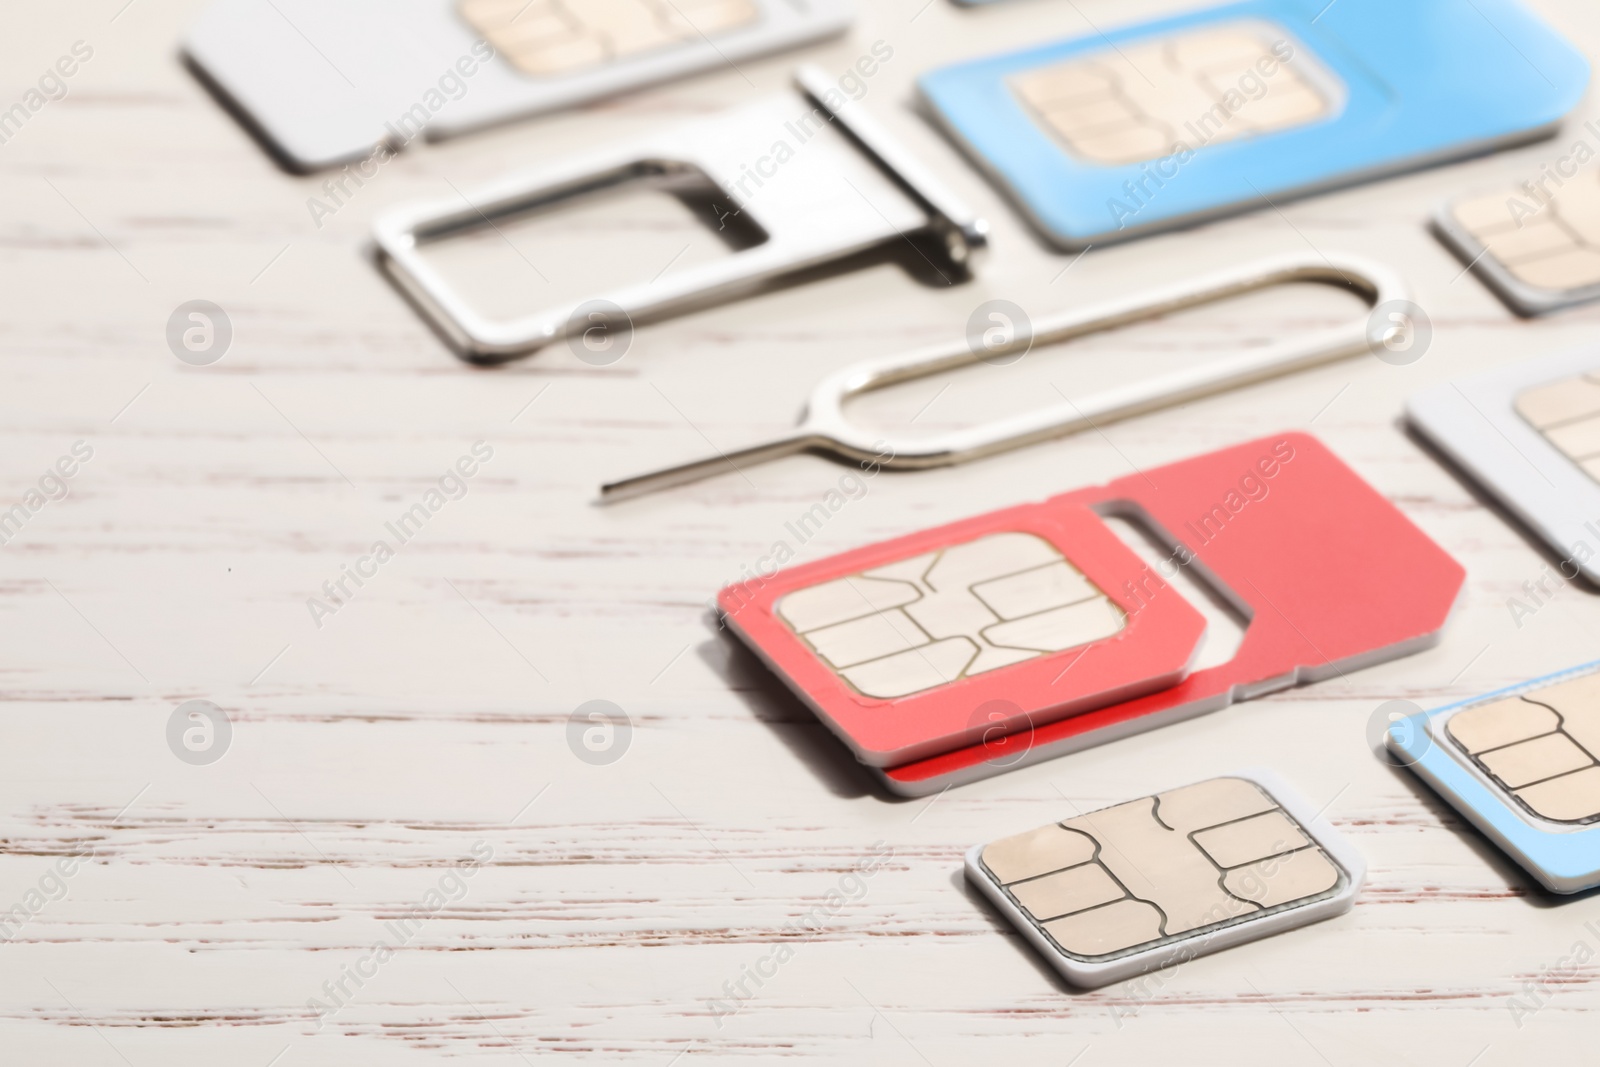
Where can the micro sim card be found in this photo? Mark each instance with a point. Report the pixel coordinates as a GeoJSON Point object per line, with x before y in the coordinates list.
{"type": "Point", "coordinates": [959, 652]}
{"type": "Point", "coordinates": [955, 613]}
{"type": "Point", "coordinates": [1521, 765]}
{"type": "Point", "coordinates": [1529, 434]}
{"type": "Point", "coordinates": [1118, 134]}
{"type": "Point", "coordinates": [1537, 245]}
{"type": "Point", "coordinates": [329, 83]}
{"type": "Point", "coordinates": [1166, 878]}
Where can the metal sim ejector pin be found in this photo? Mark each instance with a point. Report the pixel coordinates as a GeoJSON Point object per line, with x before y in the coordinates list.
{"type": "Point", "coordinates": [843, 187]}
{"type": "Point", "coordinates": [825, 429]}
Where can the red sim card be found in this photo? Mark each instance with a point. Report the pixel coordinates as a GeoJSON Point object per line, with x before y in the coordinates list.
{"type": "Point", "coordinates": [957, 653]}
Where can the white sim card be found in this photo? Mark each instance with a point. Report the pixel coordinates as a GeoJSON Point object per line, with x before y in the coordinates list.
{"type": "Point", "coordinates": [325, 83]}
{"type": "Point", "coordinates": [1530, 434]}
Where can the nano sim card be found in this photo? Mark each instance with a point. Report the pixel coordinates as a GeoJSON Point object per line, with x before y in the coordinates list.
{"type": "Point", "coordinates": [959, 612]}
{"type": "Point", "coordinates": [1530, 434]}
{"type": "Point", "coordinates": [329, 83]}
{"type": "Point", "coordinates": [1536, 247]}
{"type": "Point", "coordinates": [1118, 134]}
{"type": "Point", "coordinates": [1114, 109]}
{"type": "Point", "coordinates": [962, 651]}
{"type": "Point", "coordinates": [1168, 877]}
{"type": "Point", "coordinates": [1521, 765]}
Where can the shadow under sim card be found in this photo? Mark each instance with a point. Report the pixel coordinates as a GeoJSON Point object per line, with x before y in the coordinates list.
{"type": "Point", "coordinates": [1112, 136]}
{"type": "Point", "coordinates": [326, 83]}
{"type": "Point", "coordinates": [1521, 765]}
{"type": "Point", "coordinates": [1530, 435]}
{"type": "Point", "coordinates": [1166, 878]}
{"type": "Point", "coordinates": [960, 652]}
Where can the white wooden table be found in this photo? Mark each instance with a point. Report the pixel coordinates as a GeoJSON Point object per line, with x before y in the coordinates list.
{"type": "Point", "coordinates": [424, 726]}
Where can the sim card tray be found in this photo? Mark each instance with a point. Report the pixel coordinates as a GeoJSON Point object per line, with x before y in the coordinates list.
{"type": "Point", "coordinates": [819, 179]}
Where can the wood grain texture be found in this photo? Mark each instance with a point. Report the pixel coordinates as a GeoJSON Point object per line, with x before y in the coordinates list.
{"type": "Point", "coordinates": [429, 716]}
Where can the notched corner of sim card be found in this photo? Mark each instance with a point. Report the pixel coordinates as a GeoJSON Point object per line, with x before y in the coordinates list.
{"type": "Point", "coordinates": [215, 85]}
{"type": "Point", "coordinates": [1316, 823]}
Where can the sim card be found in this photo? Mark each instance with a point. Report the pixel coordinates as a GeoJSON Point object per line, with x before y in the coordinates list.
{"type": "Point", "coordinates": [1530, 435]}
{"type": "Point", "coordinates": [960, 652]}
{"type": "Point", "coordinates": [1538, 248]}
{"type": "Point", "coordinates": [329, 83]}
{"type": "Point", "coordinates": [1166, 878]}
{"type": "Point", "coordinates": [1520, 765]}
{"type": "Point", "coordinates": [1116, 135]}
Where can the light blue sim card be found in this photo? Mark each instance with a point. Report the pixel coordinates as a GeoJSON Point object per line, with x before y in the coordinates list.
{"type": "Point", "coordinates": [1161, 124]}
{"type": "Point", "coordinates": [1521, 764]}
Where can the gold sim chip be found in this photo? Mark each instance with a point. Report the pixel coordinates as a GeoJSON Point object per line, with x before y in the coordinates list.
{"type": "Point", "coordinates": [1147, 101]}
{"type": "Point", "coordinates": [547, 37]}
{"type": "Point", "coordinates": [1555, 248]}
{"type": "Point", "coordinates": [1567, 413]}
{"type": "Point", "coordinates": [1124, 879]}
{"type": "Point", "coordinates": [1539, 747]}
{"type": "Point", "coordinates": [941, 616]}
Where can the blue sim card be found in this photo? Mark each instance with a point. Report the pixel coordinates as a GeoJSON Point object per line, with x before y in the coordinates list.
{"type": "Point", "coordinates": [1521, 764]}
{"type": "Point", "coordinates": [1116, 135]}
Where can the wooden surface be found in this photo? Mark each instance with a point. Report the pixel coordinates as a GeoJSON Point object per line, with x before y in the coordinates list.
{"type": "Point", "coordinates": [428, 718]}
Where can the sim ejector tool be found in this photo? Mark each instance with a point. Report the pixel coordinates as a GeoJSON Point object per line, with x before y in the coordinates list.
{"type": "Point", "coordinates": [827, 182]}
{"type": "Point", "coordinates": [824, 428]}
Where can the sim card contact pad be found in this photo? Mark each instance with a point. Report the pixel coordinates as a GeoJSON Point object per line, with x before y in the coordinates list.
{"type": "Point", "coordinates": [1520, 765]}
{"type": "Point", "coordinates": [1170, 877]}
{"type": "Point", "coordinates": [1538, 254]}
